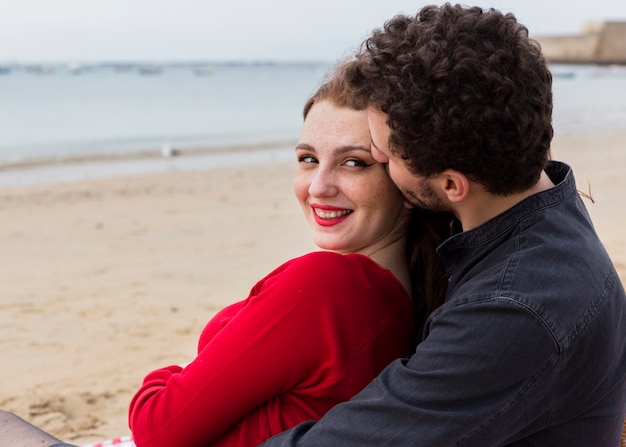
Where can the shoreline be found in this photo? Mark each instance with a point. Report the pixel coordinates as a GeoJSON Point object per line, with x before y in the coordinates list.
{"type": "Point", "coordinates": [76, 168]}
{"type": "Point", "coordinates": [147, 153]}
{"type": "Point", "coordinates": [105, 279]}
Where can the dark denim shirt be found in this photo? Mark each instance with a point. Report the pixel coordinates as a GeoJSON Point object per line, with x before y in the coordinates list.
{"type": "Point", "coordinates": [528, 349]}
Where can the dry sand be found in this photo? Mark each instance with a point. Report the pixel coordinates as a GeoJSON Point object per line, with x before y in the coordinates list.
{"type": "Point", "coordinates": [105, 280]}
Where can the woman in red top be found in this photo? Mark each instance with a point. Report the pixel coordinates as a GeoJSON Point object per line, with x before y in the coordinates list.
{"type": "Point", "coordinates": [318, 328]}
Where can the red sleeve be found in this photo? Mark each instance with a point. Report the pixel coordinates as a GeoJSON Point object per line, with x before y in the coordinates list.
{"type": "Point", "coordinates": [274, 341]}
{"type": "Point", "coordinates": [217, 323]}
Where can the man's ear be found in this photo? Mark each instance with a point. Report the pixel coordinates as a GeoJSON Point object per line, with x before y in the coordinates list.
{"type": "Point", "coordinates": [454, 184]}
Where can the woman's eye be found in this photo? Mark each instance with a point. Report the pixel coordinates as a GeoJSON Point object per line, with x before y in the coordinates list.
{"type": "Point", "coordinates": [356, 163]}
{"type": "Point", "coordinates": [307, 159]}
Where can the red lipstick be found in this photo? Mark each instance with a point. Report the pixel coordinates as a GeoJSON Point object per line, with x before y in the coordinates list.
{"type": "Point", "coordinates": [328, 216]}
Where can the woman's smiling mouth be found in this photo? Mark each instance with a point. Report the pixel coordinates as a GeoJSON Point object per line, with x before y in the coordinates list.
{"type": "Point", "coordinates": [328, 217]}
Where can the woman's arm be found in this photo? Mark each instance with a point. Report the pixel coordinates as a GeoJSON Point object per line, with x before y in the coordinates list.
{"type": "Point", "coordinates": [264, 350]}
{"type": "Point", "coordinates": [312, 334]}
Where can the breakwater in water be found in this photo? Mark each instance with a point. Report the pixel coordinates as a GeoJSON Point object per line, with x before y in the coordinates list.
{"type": "Point", "coordinates": [598, 43]}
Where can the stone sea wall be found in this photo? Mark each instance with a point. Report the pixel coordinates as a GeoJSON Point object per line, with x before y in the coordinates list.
{"type": "Point", "coordinates": [598, 43]}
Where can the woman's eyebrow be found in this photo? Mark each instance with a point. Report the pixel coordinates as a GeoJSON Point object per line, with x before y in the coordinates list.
{"type": "Point", "coordinates": [337, 151]}
{"type": "Point", "coordinates": [344, 149]}
{"type": "Point", "coordinates": [305, 147]}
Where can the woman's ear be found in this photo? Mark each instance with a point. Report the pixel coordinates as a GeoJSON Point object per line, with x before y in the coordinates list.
{"type": "Point", "coordinates": [454, 184]}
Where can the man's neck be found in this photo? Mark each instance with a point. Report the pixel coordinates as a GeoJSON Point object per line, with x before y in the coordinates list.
{"type": "Point", "coordinates": [482, 206]}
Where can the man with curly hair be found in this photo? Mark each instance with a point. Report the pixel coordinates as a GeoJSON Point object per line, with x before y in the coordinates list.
{"type": "Point", "coordinates": [529, 346]}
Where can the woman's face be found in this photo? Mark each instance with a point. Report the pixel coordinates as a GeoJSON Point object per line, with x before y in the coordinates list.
{"type": "Point", "coordinates": [347, 197]}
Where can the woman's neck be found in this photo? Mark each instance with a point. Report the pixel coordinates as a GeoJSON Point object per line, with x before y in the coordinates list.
{"type": "Point", "coordinates": [394, 258]}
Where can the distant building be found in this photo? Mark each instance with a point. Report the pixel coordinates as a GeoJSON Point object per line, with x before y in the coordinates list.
{"type": "Point", "coordinates": [599, 43]}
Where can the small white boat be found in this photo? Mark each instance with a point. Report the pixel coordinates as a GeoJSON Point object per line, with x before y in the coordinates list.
{"type": "Point", "coordinates": [149, 70]}
{"type": "Point", "coordinates": [204, 71]}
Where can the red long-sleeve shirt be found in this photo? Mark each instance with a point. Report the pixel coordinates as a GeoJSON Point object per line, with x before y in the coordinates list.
{"type": "Point", "coordinates": [311, 334]}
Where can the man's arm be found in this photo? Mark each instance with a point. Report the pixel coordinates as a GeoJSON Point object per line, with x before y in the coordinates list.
{"type": "Point", "coordinates": [16, 432]}
{"type": "Point", "coordinates": [484, 372]}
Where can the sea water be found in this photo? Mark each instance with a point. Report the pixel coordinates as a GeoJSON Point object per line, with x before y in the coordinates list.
{"type": "Point", "coordinates": [588, 98]}
{"type": "Point", "coordinates": [54, 112]}
{"type": "Point", "coordinates": [103, 109]}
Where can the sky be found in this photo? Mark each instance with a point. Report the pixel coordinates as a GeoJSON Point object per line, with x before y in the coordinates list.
{"type": "Point", "coordinates": [237, 30]}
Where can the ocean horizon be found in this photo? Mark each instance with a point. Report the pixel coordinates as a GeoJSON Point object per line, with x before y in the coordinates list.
{"type": "Point", "coordinates": [114, 112]}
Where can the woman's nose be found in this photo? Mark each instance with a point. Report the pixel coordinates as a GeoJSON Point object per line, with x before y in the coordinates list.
{"type": "Point", "coordinates": [323, 184]}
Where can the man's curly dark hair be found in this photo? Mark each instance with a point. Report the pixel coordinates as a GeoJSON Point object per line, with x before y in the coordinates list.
{"type": "Point", "coordinates": [463, 88]}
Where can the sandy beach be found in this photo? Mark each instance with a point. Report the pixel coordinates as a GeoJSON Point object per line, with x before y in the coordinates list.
{"type": "Point", "coordinates": [104, 280]}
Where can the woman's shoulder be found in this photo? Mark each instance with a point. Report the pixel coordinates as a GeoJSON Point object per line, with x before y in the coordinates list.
{"type": "Point", "coordinates": [326, 275]}
{"type": "Point", "coordinates": [329, 260]}
{"type": "Point", "coordinates": [351, 285]}
{"type": "Point", "coordinates": [353, 271]}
